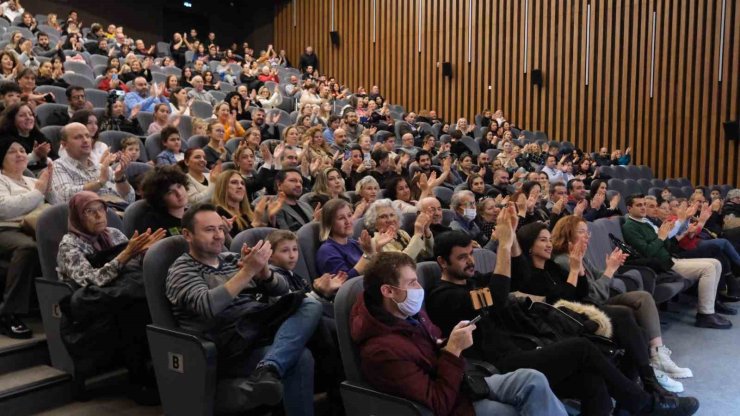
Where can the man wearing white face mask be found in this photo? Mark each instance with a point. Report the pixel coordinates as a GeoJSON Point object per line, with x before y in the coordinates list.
{"type": "Point", "coordinates": [402, 352]}
{"type": "Point", "coordinates": [463, 204]}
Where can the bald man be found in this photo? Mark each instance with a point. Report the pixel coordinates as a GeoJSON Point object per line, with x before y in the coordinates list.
{"type": "Point", "coordinates": [432, 204]}
{"type": "Point", "coordinates": [76, 172]}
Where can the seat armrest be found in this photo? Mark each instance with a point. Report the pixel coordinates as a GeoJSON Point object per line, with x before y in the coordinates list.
{"type": "Point", "coordinates": [185, 365]}
{"type": "Point", "coordinates": [50, 293]}
{"type": "Point", "coordinates": [361, 400]}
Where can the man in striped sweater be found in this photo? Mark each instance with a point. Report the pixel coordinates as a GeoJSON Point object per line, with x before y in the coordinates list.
{"type": "Point", "coordinates": [231, 298]}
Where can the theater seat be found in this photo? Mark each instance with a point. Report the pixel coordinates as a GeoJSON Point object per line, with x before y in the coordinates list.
{"type": "Point", "coordinates": [250, 237]}
{"type": "Point", "coordinates": [184, 362]}
{"type": "Point", "coordinates": [309, 243]}
{"type": "Point", "coordinates": [51, 227]}
{"type": "Point", "coordinates": [359, 398]}
{"type": "Point", "coordinates": [428, 274]}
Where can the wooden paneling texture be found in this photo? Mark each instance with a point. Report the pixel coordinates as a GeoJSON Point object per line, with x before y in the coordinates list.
{"type": "Point", "coordinates": [678, 131]}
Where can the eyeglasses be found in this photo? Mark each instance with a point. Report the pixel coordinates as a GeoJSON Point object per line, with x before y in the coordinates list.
{"type": "Point", "coordinates": [92, 212]}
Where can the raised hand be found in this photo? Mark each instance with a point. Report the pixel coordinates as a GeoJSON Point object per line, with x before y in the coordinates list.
{"type": "Point", "coordinates": [217, 169]}
{"type": "Point", "coordinates": [614, 203]}
{"type": "Point", "coordinates": [615, 259]}
{"type": "Point", "coordinates": [580, 208]}
{"type": "Point", "coordinates": [44, 179]}
{"type": "Point", "coordinates": [504, 232]}
{"type": "Point", "coordinates": [328, 284]}
{"type": "Point", "coordinates": [557, 207]}
{"type": "Point", "coordinates": [598, 200]}
{"type": "Point", "coordinates": [366, 243]}
{"type": "Point", "coordinates": [423, 220]}
{"type": "Point", "coordinates": [257, 257]}
{"type": "Point", "coordinates": [274, 206]}
{"type": "Point", "coordinates": [381, 239]}
{"type": "Point", "coordinates": [665, 229]}
{"type": "Point", "coordinates": [576, 253]}
{"type": "Point", "coordinates": [41, 150]}
{"type": "Point", "coordinates": [227, 224]}
{"type": "Point", "coordinates": [317, 212]}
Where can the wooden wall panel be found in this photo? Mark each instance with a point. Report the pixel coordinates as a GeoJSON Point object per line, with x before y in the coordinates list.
{"type": "Point", "coordinates": [678, 131]}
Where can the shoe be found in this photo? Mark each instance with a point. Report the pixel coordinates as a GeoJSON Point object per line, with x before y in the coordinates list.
{"type": "Point", "coordinates": [660, 360]}
{"type": "Point", "coordinates": [13, 327]}
{"type": "Point", "coordinates": [720, 307]}
{"type": "Point", "coordinates": [722, 297]}
{"type": "Point", "coordinates": [714, 321]}
{"type": "Point", "coordinates": [673, 406]}
{"type": "Point", "coordinates": [263, 386]}
{"type": "Point", "coordinates": [668, 383]}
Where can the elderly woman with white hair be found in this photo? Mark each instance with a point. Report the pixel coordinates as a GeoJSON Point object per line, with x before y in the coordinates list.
{"type": "Point", "coordinates": [367, 189]}
{"type": "Point", "coordinates": [383, 219]}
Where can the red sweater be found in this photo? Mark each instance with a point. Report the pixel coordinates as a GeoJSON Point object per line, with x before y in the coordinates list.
{"type": "Point", "coordinates": [265, 78]}
{"type": "Point", "coordinates": [405, 360]}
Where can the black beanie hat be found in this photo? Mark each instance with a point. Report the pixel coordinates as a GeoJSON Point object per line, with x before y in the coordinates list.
{"type": "Point", "coordinates": [4, 147]}
{"type": "Point", "coordinates": [527, 234]}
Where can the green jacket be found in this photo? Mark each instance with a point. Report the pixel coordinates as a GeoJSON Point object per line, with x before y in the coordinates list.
{"type": "Point", "coordinates": [645, 240]}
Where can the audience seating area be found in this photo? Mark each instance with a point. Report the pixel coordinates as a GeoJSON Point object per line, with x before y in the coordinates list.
{"type": "Point", "coordinates": [324, 126]}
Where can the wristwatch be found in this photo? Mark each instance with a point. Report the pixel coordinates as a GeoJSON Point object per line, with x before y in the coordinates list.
{"type": "Point", "coordinates": [122, 180]}
{"type": "Point", "coordinates": [367, 256]}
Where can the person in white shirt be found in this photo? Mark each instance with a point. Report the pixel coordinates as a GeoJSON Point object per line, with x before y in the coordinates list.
{"type": "Point", "coordinates": [554, 174]}
{"type": "Point", "coordinates": [11, 9]}
{"type": "Point", "coordinates": [77, 172]}
{"type": "Point", "coordinates": [19, 196]}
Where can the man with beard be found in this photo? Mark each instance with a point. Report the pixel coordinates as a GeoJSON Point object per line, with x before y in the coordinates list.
{"type": "Point", "coordinates": [351, 125]}
{"type": "Point", "coordinates": [268, 130]}
{"type": "Point", "coordinates": [574, 367]}
{"type": "Point", "coordinates": [293, 213]}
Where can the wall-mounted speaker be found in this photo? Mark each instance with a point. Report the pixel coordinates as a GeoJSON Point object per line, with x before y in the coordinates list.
{"type": "Point", "coordinates": [447, 69]}
{"type": "Point", "coordinates": [537, 77]}
{"type": "Point", "coordinates": [334, 38]}
{"type": "Point", "coordinates": [732, 129]}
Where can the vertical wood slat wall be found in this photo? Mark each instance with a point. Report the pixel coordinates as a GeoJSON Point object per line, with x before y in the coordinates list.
{"type": "Point", "coordinates": [678, 132]}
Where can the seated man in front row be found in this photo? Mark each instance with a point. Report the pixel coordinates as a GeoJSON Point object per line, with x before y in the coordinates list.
{"type": "Point", "coordinates": [230, 297]}
{"type": "Point", "coordinates": [402, 353]}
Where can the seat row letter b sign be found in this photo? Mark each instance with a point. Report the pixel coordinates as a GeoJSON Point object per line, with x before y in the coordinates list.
{"type": "Point", "coordinates": [175, 362]}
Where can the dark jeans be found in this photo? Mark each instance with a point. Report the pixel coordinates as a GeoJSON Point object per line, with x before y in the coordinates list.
{"type": "Point", "coordinates": [23, 267]}
{"type": "Point", "coordinates": [628, 335]}
{"type": "Point", "coordinates": [575, 368]}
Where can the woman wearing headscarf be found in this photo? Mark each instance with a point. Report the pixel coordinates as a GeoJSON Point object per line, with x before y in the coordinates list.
{"type": "Point", "coordinates": [105, 318]}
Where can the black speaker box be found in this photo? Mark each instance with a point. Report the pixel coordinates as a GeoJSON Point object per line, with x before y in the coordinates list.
{"type": "Point", "coordinates": [334, 38]}
{"type": "Point", "coordinates": [447, 69]}
{"type": "Point", "coordinates": [732, 129]}
{"type": "Point", "coordinates": [537, 77]}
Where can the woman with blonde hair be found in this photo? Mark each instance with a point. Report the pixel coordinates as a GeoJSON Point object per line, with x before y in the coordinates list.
{"type": "Point", "coordinates": [232, 202]}
{"type": "Point", "coordinates": [232, 128]}
{"type": "Point", "coordinates": [268, 100]}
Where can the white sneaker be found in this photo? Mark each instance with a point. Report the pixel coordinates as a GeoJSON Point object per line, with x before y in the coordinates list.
{"type": "Point", "coordinates": [668, 383]}
{"type": "Point", "coordinates": [660, 359]}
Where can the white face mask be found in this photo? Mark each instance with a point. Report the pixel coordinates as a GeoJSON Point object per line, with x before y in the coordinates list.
{"type": "Point", "coordinates": [414, 299]}
{"type": "Point", "coordinates": [469, 214]}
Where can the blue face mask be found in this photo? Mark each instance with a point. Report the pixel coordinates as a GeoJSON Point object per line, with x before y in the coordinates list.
{"type": "Point", "coordinates": [414, 299]}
